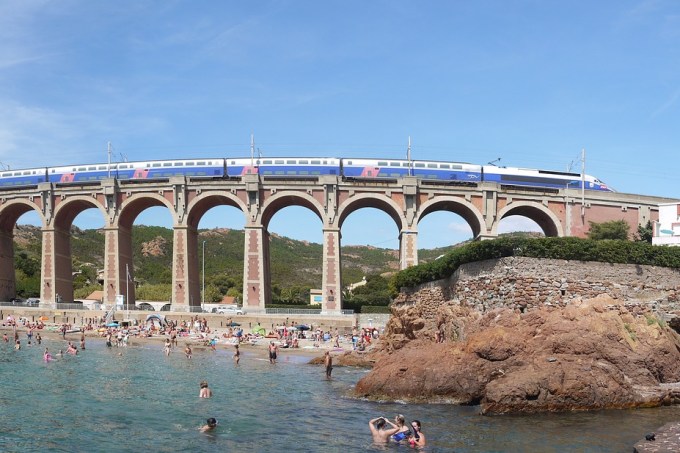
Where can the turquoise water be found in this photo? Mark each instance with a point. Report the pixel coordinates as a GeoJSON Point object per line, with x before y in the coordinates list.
{"type": "Point", "coordinates": [142, 400]}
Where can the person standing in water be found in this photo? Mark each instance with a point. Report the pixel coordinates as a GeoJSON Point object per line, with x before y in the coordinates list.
{"type": "Point", "coordinates": [381, 435]}
{"type": "Point", "coordinates": [205, 391]}
{"type": "Point", "coordinates": [272, 352]}
{"type": "Point", "coordinates": [418, 438]}
{"type": "Point", "coordinates": [237, 355]}
{"type": "Point", "coordinates": [328, 362]}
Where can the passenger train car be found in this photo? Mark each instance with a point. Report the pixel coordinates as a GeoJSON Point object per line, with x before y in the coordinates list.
{"type": "Point", "coordinates": [301, 168]}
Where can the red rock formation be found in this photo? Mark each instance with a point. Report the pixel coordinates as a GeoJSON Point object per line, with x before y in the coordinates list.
{"type": "Point", "coordinates": [592, 354]}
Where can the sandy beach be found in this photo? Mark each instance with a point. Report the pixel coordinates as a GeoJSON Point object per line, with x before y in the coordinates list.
{"type": "Point", "coordinates": [197, 341]}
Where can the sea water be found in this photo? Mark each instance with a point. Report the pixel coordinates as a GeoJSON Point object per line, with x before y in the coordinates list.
{"type": "Point", "coordinates": [136, 399]}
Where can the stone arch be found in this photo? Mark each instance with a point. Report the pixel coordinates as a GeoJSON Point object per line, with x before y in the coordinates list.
{"type": "Point", "coordinates": [133, 206]}
{"type": "Point", "coordinates": [12, 210]}
{"type": "Point", "coordinates": [67, 210]}
{"type": "Point", "coordinates": [539, 213]}
{"type": "Point", "coordinates": [381, 202]}
{"type": "Point", "coordinates": [197, 208]}
{"type": "Point", "coordinates": [9, 215]}
{"type": "Point", "coordinates": [283, 199]}
{"type": "Point", "coordinates": [456, 205]}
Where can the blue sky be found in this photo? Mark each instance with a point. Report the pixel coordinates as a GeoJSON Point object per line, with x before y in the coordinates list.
{"type": "Point", "coordinates": [531, 82]}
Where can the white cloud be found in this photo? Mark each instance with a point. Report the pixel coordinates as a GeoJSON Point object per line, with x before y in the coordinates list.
{"type": "Point", "coordinates": [517, 223]}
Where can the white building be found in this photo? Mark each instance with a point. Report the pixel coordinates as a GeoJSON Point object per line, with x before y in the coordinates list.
{"type": "Point", "coordinates": [667, 229]}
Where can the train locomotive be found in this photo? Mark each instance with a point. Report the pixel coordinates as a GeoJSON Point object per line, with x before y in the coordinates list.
{"type": "Point", "coordinates": [303, 168]}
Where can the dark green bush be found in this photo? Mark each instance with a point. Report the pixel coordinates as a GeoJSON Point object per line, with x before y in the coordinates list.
{"type": "Point", "coordinates": [565, 248]}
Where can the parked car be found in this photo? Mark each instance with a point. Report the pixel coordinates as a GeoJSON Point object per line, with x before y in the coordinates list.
{"type": "Point", "coordinates": [32, 302]}
{"type": "Point", "coordinates": [230, 311]}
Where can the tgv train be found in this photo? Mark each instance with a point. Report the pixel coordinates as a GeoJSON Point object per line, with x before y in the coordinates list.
{"type": "Point", "coordinates": [302, 167]}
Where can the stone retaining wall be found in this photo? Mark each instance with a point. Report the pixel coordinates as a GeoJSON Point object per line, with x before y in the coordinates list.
{"type": "Point", "coordinates": [525, 283]}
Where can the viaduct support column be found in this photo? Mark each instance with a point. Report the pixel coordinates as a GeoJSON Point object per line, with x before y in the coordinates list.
{"type": "Point", "coordinates": [7, 274]}
{"type": "Point", "coordinates": [331, 280]}
{"type": "Point", "coordinates": [56, 279]}
{"type": "Point", "coordinates": [256, 275]}
{"type": "Point", "coordinates": [408, 248]}
{"type": "Point", "coordinates": [119, 269]}
{"type": "Point", "coordinates": [186, 290]}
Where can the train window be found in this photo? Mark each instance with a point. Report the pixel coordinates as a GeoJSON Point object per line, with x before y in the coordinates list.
{"type": "Point", "coordinates": [316, 162]}
{"type": "Point", "coordinates": [431, 165]}
{"type": "Point", "coordinates": [431, 176]}
{"type": "Point", "coordinates": [394, 164]}
{"type": "Point", "coordinates": [81, 169]}
{"type": "Point", "coordinates": [278, 162]}
{"type": "Point", "coordinates": [303, 172]}
{"type": "Point", "coordinates": [200, 163]}
{"type": "Point", "coordinates": [4, 175]}
{"type": "Point", "coordinates": [303, 161]}
{"type": "Point", "coordinates": [156, 164]}
{"type": "Point", "coordinates": [91, 168]}
{"type": "Point", "coordinates": [179, 164]}
{"type": "Point", "coordinates": [291, 162]}
{"type": "Point", "coordinates": [315, 172]}
{"type": "Point", "coordinates": [457, 167]}
{"type": "Point", "coordinates": [167, 164]}
{"type": "Point", "coordinates": [17, 173]}
{"type": "Point", "coordinates": [405, 164]}
{"type": "Point", "coordinates": [444, 166]}
{"type": "Point", "coordinates": [382, 164]}
{"type": "Point", "coordinates": [27, 172]}
{"type": "Point", "coordinates": [267, 162]}
{"type": "Point", "coordinates": [419, 165]}
{"type": "Point", "coordinates": [190, 164]}
{"type": "Point", "coordinates": [102, 167]}
{"type": "Point", "coordinates": [268, 172]}
{"type": "Point", "coordinates": [291, 172]}
{"type": "Point", "coordinates": [349, 162]}
{"type": "Point", "coordinates": [279, 172]}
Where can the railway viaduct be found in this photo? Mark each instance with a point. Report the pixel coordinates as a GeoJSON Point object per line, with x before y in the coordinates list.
{"type": "Point", "coordinates": [563, 212]}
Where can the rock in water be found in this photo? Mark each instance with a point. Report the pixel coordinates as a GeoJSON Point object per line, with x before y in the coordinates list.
{"type": "Point", "coordinates": [593, 354]}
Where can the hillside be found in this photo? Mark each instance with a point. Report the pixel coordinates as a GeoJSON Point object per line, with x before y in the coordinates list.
{"type": "Point", "coordinates": [293, 263]}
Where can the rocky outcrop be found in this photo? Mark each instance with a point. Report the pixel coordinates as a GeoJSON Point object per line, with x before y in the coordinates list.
{"type": "Point", "coordinates": [590, 354]}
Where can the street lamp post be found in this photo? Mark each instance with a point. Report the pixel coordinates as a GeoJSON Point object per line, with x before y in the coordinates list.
{"type": "Point", "coordinates": [203, 280]}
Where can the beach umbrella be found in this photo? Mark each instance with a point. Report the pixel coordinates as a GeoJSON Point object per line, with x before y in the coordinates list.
{"type": "Point", "coordinates": [302, 327]}
{"type": "Point", "coordinates": [233, 324]}
{"type": "Point", "coordinates": [291, 328]}
{"type": "Point", "coordinates": [112, 324]}
{"type": "Point", "coordinates": [43, 318]}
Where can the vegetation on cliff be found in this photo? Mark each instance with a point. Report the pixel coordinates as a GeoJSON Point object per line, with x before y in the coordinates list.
{"type": "Point", "coordinates": [566, 248]}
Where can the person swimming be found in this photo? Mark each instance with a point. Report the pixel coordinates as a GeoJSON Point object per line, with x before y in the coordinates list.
{"type": "Point", "coordinates": [47, 356]}
{"type": "Point", "coordinates": [211, 424]}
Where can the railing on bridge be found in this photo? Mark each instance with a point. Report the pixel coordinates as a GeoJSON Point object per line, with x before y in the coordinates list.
{"type": "Point", "coordinates": [300, 311]}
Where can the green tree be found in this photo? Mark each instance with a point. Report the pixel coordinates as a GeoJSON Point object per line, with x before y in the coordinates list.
{"type": "Point", "coordinates": [212, 294]}
{"type": "Point", "coordinates": [645, 233]}
{"type": "Point", "coordinates": [614, 229]}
